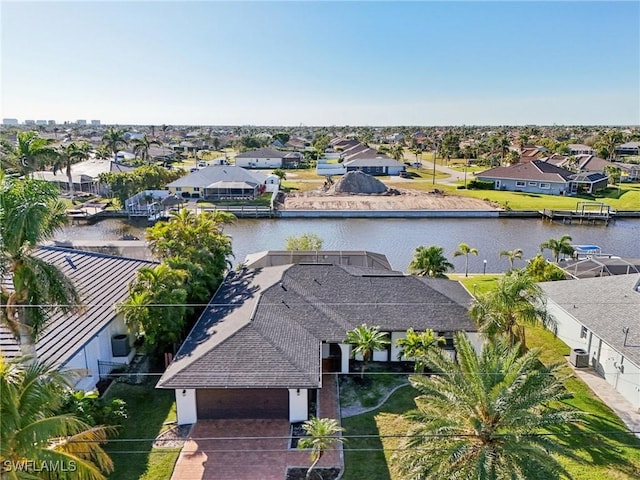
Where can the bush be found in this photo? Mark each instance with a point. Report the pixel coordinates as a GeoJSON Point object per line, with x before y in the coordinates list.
{"type": "Point", "coordinates": [93, 409]}
{"type": "Point", "coordinates": [480, 185]}
{"type": "Point", "coordinates": [461, 187]}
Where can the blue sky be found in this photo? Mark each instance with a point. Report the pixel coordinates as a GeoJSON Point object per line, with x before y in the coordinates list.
{"type": "Point", "coordinates": [322, 63]}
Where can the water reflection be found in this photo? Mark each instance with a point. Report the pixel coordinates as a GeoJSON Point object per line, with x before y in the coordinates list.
{"type": "Point", "coordinates": [398, 238]}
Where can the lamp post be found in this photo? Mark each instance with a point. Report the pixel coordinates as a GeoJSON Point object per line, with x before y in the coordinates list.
{"type": "Point", "coordinates": [465, 173]}
{"type": "Point", "coordinates": [435, 155]}
{"type": "Point", "coordinates": [484, 267]}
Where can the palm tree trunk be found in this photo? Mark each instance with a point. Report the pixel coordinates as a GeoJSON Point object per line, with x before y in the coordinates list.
{"type": "Point", "coordinates": [70, 179]}
{"type": "Point", "coordinates": [466, 265]}
{"type": "Point", "coordinates": [27, 345]}
{"type": "Point", "coordinates": [313, 465]}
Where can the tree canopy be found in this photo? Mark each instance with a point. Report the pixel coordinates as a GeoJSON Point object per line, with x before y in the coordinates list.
{"type": "Point", "coordinates": [429, 262]}
{"type": "Point", "coordinates": [306, 241]}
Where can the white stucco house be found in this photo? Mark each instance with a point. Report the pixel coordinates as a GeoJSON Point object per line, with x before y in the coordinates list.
{"type": "Point", "coordinates": [269, 333]}
{"type": "Point", "coordinates": [268, 158]}
{"type": "Point", "coordinates": [97, 339]}
{"type": "Point", "coordinates": [600, 317]}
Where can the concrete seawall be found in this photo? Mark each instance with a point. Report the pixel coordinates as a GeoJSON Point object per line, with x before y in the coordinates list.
{"type": "Point", "coordinates": [388, 214]}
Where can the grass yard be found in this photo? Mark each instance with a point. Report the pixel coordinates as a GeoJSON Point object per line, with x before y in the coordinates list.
{"type": "Point", "coordinates": [149, 410]}
{"type": "Point", "coordinates": [370, 391]}
{"type": "Point", "coordinates": [602, 447]}
{"type": "Point", "coordinates": [476, 284]}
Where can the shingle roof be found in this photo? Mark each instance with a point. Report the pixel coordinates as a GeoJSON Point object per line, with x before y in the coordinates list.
{"type": "Point", "coordinates": [533, 170]}
{"type": "Point", "coordinates": [605, 305]}
{"type": "Point", "coordinates": [102, 281]}
{"type": "Point", "coordinates": [219, 173]}
{"type": "Point", "coordinates": [262, 153]}
{"type": "Point", "coordinates": [264, 327]}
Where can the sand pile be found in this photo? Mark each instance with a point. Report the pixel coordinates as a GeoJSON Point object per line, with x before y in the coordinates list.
{"type": "Point", "coordinates": [359, 183]}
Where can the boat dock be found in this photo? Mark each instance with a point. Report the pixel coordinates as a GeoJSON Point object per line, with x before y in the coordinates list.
{"type": "Point", "coordinates": [590, 212]}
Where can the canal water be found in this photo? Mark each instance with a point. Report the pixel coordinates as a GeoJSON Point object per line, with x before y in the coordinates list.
{"type": "Point", "coordinates": [398, 238]}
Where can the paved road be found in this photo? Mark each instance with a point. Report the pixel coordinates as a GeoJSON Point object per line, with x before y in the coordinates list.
{"type": "Point", "coordinates": [454, 175]}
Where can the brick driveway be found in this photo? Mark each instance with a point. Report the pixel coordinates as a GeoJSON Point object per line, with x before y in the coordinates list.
{"type": "Point", "coordinates": [243, 449]}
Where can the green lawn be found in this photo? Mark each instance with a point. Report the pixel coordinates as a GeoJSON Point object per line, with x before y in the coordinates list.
{"type": "Point", "coordinates": [149, 410]}
{"type": "Point", "coordinates": [602, 446]}
{"type": "Point", "coordinates": [371, 391]}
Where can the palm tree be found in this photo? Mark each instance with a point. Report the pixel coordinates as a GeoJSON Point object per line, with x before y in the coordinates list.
{"type": "Point", "coordinates": [429, 262]}
{"type": "Point", "coordinates": [102, 152]}
{"type": "Point", "coordinates": [558, 246]}
{"type": "Point", "coordinates": [114, 139]}
{"type": "Point", "coordinates": [416, 346]}
{"type": "Point", "coordinates": [34, 435]}
{"type": "Point", "coordinates": [511, 305]}
{"type": "Point", "coordinates": [31, 152]}
{"type": "Point", "coordinates": [609, 141]}
{"type": "Point", "coordinates": [480, 416]}
{"type": "Point", "coordinates": [364, 341]}
{"type": "Point", "coordinates": [466, 250]}
{"type": "Point", "coordinates": [511, 255]}
{"type": "Point", "coordinates": [397, 152]}
{"type": "Point", "coordinates": [67, 156]}
{"type": "Point", "coordinates": [142, 146]}
{"type": "Point", "coordinates": [322, 433]}
{"type": "Point", "coordinates": [31, 213]}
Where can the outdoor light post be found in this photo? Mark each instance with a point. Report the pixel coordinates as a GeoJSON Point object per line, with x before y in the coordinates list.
{"type": "Point", "coordinates": [435, 155]}
{"type": "Point", "coordinates": [484, 267]}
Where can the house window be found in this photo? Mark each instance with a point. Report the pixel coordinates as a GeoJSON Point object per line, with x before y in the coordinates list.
{"type": "Point", "coordinates": [196, 189]}
{"type": "Point", "coordinates": [545, 186]}
{"type": "Point", "coordinates": [178, 189]}
{"type": "Point", "coordinates": [533, 184]}
{"type": "Point", "coordinates": [520, 184]}
{"type": "Point", "coordinates": [583, 332]}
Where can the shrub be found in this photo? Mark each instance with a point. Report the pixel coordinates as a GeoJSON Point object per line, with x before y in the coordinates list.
{"type": "Point", "coordinates": [480, 185]}
{"type": "Point", "coordinates": [93, 409]}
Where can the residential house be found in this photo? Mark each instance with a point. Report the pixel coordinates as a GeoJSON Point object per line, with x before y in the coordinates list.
{"type": "Point", "coordinates": [598, 319]}
{"type": "Point", "coordinates": [380, 165]}
{"type": "Point", "coordinates": [538, 176]}
{"type": "Point", "coordinates": [630, 171]}
{"type": "Point", "coordinates": [268, 158]}
{"type": "Point", "coordinates": [96, 340]}
{"type": "Point", "coordinates": [260, 347]}
{"type": "Point", "coordinates": [629, 148]}
{"type": "Point", "coordinates": [84, 175]}
{"type": "Point", "coordinates": [219, 182]}
{"type": "Point", "coordinates": [580, 149]}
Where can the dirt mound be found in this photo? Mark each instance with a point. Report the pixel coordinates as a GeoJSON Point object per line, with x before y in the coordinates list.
{"type": "Point", "coordinates": [359, 183]}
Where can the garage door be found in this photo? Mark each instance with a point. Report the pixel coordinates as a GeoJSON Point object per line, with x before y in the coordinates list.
{"type": "Point", "coordinates": [242, 403]}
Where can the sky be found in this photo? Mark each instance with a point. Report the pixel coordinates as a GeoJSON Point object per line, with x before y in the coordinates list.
{"type": "Point", "coordinates": [322, 63]}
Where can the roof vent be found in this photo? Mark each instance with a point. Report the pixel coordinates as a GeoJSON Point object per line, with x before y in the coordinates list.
{"type": "Point", "coordinates": [69, 260]}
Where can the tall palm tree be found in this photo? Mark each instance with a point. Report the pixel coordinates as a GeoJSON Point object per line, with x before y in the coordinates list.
{"type": "Point", "coordinates": [466, 250]}
{"type": "Point", "coordinates": [511, 255]}
{"type": "Point", "coordinates": [397, 152]}
{"type": "Point", "coordinates": [609, 141]}
{"type": "Point", "coordinates": [558, 246]}
{"type": "Point", "coordinates": [31, 213]}
{"type": "Point", "coordinates": [31, 152]}
{"type": "Point", "coordinates": [416, 346]}
{"type": "Point", "coordinates": [114, 139]}
{"type": "Point", "coordinates": [323, 434]}
{"type": "Point", "coordinates": [141, 146]}
{"type": "Point", "coordinates": [480, 416]}
{"type": "Point", "coordinates": [429, 262]}
{"type": "Point", "coordinates": [67, 156]}
{"type": "Point", "coordinates": [34, 435]}
{"type": "Point", "coordinates": [364, 341]}
{"type": "Point", "coordinates": [507, 308]}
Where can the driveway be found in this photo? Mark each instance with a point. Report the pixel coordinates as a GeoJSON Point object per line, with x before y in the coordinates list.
{"type": "Point", "coordinates": [243, 449]}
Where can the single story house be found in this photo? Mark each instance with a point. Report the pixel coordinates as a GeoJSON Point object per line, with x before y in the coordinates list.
{"type": "Point", "coordinates": [600, 266]}
{"type": "Point", "coordinates": [84, 175]}
{"type": "Point", "coordinates": [537, 176]}
{"type": "Point", "coordinates": [98, 339]}
{"type": "Point", "coordinates": [598, 319]}
{"type": "Point", "coordinates": [262, 344]}
{"type": "Point", "coordinates": [580, 149]}
{"type": "Point", "coordinates": [268, 158]}
{"type": "Point", "coordinates": [629, 148]}
{"type": "Point", "coordinates": [375, 166]}
{"type": "Point", "coordinates": [218, 182]}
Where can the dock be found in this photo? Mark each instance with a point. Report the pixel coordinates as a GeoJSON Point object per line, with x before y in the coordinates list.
{"type": "Point", "coordinates": [585, 212]}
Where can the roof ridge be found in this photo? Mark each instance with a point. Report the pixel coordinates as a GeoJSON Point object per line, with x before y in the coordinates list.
{"type": "Point", "coordinates": [91, 253]}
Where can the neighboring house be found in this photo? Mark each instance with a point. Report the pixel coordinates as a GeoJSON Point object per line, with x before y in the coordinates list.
{"type": "Point", "coordinates": [591, 163]}
{"type": "Point", "coordinates": [630, 171]}
{"type": "Point", "coordinates": [360, 258]}
{"type": "Point", "coordinates": [219, 182]}
{"type": "Point", "coordinates": [537, 176]}
{"type": "Point", "coordinates": [580, 149]}
{"type": "Point", "coordinates": [268, 158]}
{"type": "Point", "coordinates": [261, 346]}
{"type": "Point", "coordinates": [600, 317]}
{"type": "Point", "coordinates": [629, 148]}
{"type": "Point", "coordinates": [98, 339]}
{"type": "Point", "coordinates": [600, 266]}
{"type": "Point", "coordinates": [528, 154]}
{"type": "Point", "coordinates": [85, 175]}
{"type": "Point", "coordinates": [375, 166]}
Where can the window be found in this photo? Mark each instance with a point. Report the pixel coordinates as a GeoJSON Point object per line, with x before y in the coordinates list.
{"type": "Point", "coordinates": [196, 189]}
{"type": "Point", "coordinates": [178, 189]}
{"type": "Point", "coordinates": [545, 186]}
{"type": "Point", "coordinates": [533, 184]}
{"type": "Point", "coordinates": [520, 184]}
{"type": "Point", "coordinates": [583, 332]}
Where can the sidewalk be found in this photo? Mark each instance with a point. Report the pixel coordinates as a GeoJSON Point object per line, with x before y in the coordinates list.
{"type": "Point", "coordinates": [615, 401]}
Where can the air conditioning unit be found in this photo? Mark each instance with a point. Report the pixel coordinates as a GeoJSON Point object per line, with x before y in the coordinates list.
{"type": "Point", "coordinates": [579, 358]}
